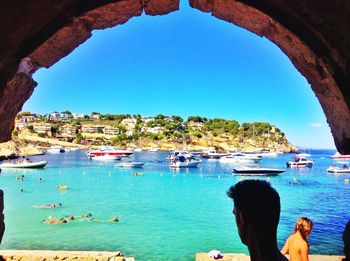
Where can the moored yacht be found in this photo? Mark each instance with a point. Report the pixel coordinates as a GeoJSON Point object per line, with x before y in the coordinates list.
{"type": "Point", "coordinates": [256, 171]}
{"type": "Point", "coordinates": [56, 149]}
{"type": "Point", "coordinates": [177, 153]}
{"type": "Point", "coordinates": [302, 155]}
{"type": "Point", "coordinates": [338, 156]}
{"type": "Point", "coordinates": [109, 150]}
{"type": "Point", "coordinates": [21, 164]}
{"type": "Point", "coordinates": [182, 162]}
{"type": "Point", "coordinates": [300, 163]}
{"type": "Point", "coordinates": [105, 157]}
{"type": "Point", "coordinates": [339, 167]}
{"type": "Point", "coordinates": [213, 154]}
{"type": "Point", "coordinates": [241, 158]}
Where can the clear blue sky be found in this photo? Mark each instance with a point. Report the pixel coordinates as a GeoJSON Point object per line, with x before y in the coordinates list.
{"type": "Point", "coordinates": [184, 63]}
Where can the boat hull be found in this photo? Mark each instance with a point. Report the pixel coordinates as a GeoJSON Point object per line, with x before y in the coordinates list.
{"type": "Point", "coordinates": [336, 170]}
{"type": "Point", "coordinates": [193, 164]}
{"type": "Point", "coordinates": [130, 164]}
{"type": "Point", "coordinates": [28, 165]}
{"type": "Point", "coordinates": [299, 165]}
{"type": "Point", "coordinates": [105, 157]}
{"type": "Point", "coordinates": [257, 171]}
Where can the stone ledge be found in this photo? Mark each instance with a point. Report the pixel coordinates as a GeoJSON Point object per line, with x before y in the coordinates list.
{"type": "Point", "coordinates": [50, 255]}
{"type": "Point", "coordinates": [244, 257]}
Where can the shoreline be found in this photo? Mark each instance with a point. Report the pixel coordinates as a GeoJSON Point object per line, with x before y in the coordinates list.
{"type": "Point", "coordinates": [39, 255]}
{"type": "Point", "coordinates": [244, 257]}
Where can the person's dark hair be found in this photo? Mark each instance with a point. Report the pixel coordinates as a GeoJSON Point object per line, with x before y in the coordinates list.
{"type": "Point", "coordinates": [346, 240]}
{"type": "Point", "coordinates": [259, 204]}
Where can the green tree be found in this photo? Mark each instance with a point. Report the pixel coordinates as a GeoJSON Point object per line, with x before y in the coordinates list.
{"type": "Point", "coordinates": [177, 118]}
{"type": "Point", "coordinates": [66, 112]}
{"type": "Point", "coordinates": [14, 133]}
{"type": "Point", "coordinates": [30, 128]}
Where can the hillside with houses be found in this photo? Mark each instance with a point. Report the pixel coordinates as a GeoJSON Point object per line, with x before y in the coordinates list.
{"type": "Point", "coordinates": [164, 132]}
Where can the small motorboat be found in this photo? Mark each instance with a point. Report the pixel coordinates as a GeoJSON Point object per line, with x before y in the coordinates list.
{"type": "Point", "coordinates": [256, 171]}
{"type": "Point", "coordinates": [302, 155]}
{"type": "Point", "coordinates": [339, 167]}
{"type": "Point", "coordinates": [213, 154]}
{"type": "Point", "coordinates": [300, 163]}
{"type": "Point", "coordinates": [23, 164]}
{"type": "Point", "coordinates": [240, 158]}
{"type": "Point", "coordinates": [182, 162]}
{"type": "Point", "coordinates": [109, 150]}
{"type": "Point", "coordinates": [105, 157]}
{"type": "Point", "coordinates": [56, 149]}
{"type": "Point", "coordinates": [130, 164]}
{"type": "Point", "coordinates": [153, 150]}
{"type": "Point", "coordinates": [338, 156]}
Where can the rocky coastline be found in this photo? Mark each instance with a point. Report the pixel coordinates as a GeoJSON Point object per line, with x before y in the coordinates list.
{"type": "Point", "coordinates": [17, 148]}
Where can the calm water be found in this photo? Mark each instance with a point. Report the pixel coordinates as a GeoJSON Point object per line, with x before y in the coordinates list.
{"type": "Point", "coordinates": [165, 214]}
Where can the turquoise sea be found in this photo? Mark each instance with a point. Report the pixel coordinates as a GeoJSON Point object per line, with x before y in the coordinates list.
{"type": "Point", "coordinates": [165, 214]}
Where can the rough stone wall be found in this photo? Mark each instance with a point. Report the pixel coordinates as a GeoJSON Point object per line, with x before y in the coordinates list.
{"type": "Point", "coordinates": [47, 255]}
{"type": "Point", "coordinates": [313, 34]}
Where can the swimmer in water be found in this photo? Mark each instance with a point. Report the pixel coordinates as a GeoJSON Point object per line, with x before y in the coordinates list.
{"type": "Point", "coordinates": [62, 187]}
{"type": "Point", "coordinates": [51, 220]}
{"type": "Point", "coordinates": [69, 219]}
{"type": "Point", "coordinates": [52, 205]}
{"type": "Point", "coordinates": [114, 219]}
{"type": "Point", "coordinates": [86, 215]}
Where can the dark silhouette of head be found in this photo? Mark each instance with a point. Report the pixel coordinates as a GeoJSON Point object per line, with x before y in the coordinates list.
{"type": "Point", "coordinates": [346, 240]}
{"type": "Point", "coordinates": [257, 211]}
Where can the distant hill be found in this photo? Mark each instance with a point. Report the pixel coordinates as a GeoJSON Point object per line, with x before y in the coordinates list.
{"type": "Point", "coordinates": [165, 132]}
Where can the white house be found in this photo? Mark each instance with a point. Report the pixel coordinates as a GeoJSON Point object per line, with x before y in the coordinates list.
{"type": "Point", "coordinates": [110, 130]}
{"type": "Point", "coordinates": [154, 130]}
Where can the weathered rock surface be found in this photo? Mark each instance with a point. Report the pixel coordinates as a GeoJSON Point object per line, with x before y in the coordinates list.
{"type": "Point", "coordinates": [17, 148]}
{"type": "Point", "coordinates": [313, 34]}
{"type": "Point", "coordinates": [47, 255]}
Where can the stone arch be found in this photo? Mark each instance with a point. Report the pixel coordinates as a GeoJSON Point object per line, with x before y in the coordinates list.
{"type": "Point", "coordinates": [313, 35]}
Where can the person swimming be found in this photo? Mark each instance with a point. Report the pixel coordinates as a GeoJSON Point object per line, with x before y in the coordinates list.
{"type": "Point", "coordinates": [51, 220]}
{"type": "Point", "coordinates": [52, 205]}
{"type": "Point", "coordinates": [114, 219]}
{"type": "Point", "coordinates": [62, 187]}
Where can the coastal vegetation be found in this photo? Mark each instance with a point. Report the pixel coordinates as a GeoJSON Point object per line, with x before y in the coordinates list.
{"type": "Point", "coordinates": [165, 132]}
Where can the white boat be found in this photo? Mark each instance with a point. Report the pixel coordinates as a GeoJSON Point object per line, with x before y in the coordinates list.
{"type": "Point", "coordinates": [105, 157]}
{"type": "Point", "coordinates": [267, 154]}
{"type": "Point", "coordinates": [300, 163]}
{"type": "Point", "coordinates": [153, 150]}
{"type": "Point", "coordinates": [74, 148]}
{"type": "Point", "coordinates": [130, 164]}
{"type": "Point", "coordinates": [56, 149]}
{"type": "Point", "coordinates": [256, 171]}
{"type": "Point", "coordinates": [137, 150]}
{"type": "Point", "coordinates": [240, 158]}
{"type": "Point", "coordinates": [339, 167]}
{"type": "Point", "coordinates": [302, 155]}
{"type": "Point", "coordinates": [338, 156]}
{"type": "Point", "coordinates": [23, 164]}
{"type": "Point", "coordinates": [177, 153]}
{"type": "Point", "coordinates": [109, 150]}
{"type": "Point", "coordinates": [182, 162]}
{"type": "Point", "coordinates": [213, 154]}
